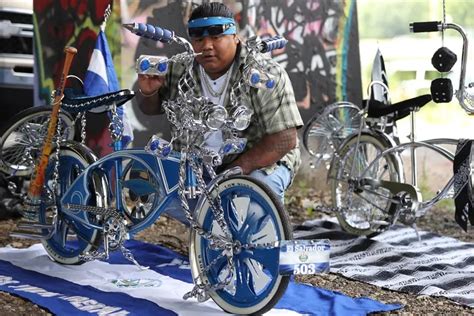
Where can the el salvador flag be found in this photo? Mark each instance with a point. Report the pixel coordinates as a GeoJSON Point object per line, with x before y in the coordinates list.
{"type": "Point", "coordinates": [101, 78]}
{"type": "Point", "coordinates": [117, 287]}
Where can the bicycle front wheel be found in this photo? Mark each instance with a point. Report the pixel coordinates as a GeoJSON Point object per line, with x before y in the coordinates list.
{"type": "Point", "coordinates": [256, 220]}
{"type": "Point", "coordinates": [22, 138]}
{"type": "Point", "coordinates": [363, 210]}
{"type": "Point", "coordinates": [325, 132]}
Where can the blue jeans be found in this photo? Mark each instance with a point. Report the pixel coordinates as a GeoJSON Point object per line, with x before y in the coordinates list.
{"type": "Point", "coordinates": [278, 180]}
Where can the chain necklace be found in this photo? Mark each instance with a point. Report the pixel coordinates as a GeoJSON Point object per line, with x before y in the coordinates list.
{"type": "Point", "coordinates": [206, 79]}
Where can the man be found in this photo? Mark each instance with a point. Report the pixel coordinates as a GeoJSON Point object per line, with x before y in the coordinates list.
{"type": "Point", "coordinates": [272, 153]}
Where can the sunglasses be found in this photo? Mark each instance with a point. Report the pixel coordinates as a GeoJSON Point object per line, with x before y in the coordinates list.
{"type": "Point", "coordinates": [211, 30]}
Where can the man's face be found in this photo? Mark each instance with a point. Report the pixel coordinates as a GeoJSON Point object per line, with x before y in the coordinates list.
{"type": "Point", "coordinates": [218, 52]}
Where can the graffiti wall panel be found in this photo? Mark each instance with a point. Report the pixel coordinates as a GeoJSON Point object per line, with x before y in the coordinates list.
{"type": "Point", "coordinates": [321, 58]}
{"type": "Point", "coordinates": [170, 15]}
{"type": "Point", "coordinates": [65, 23]}
{"type": "Point", "coordinates": [74, 23]}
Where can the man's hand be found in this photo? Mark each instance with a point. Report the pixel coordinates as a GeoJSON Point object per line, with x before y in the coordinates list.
{"type": "Point", "coordinates": [150, 84]}
{"type": "Point", "coordinates": [148, 100]}
{"type": "Point", "coordinates": [270, 149]}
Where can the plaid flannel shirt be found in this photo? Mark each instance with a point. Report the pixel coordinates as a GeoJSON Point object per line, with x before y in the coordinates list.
{"type": "Point", "coordinates": [274, 110]}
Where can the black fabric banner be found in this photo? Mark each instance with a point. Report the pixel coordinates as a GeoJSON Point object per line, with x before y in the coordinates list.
{"type": "Point", "coordinates": [463, 183]}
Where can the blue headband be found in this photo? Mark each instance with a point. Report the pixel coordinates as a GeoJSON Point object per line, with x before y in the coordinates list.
{"type": "Point", "coordinates": [214, 20]}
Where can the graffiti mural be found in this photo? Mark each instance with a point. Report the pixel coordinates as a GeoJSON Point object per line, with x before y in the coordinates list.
{"type": "Point", "coordinates": [318, 33]}
{"type": "Point", "coordinates": [74, 23]}
{"type": "Point", "coordinates": [68, 23]}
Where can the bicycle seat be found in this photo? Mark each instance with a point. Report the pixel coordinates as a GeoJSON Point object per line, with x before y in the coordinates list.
{"type": "Point", "coordinates": [400, 109]}
{"type": "Point", "coordinates": [76, 102]}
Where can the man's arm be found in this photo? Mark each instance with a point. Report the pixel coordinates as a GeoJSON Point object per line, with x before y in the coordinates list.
{"type": "Point", "coordinates": [270, 149]}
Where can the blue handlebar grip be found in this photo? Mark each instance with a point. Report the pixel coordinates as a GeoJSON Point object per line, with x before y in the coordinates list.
{"type": "Point", "coordinates": [150, 31]}
{"type": "Point", "coordinates": [272, 43]}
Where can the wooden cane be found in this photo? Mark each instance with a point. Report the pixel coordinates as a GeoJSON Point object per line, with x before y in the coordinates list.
{"type": "Point", "coordinates": [37, 181]}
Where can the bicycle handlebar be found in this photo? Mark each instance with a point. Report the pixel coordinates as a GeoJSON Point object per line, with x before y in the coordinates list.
{"type": "Point", "coordinates": [464, 98]}
{"type": "Point", "coordinates": [421, 27]}
{"type": "Point", "coordinates": [165, 36]}
{"type": "Point", "coordinates": [272, 43]}
{"type": "Point", "coordinates": [150, 31]}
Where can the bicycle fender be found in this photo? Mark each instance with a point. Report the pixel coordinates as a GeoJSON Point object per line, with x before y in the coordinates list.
{"type": "Point", "coordinates": [215, 182]}
{"type": "Point", "coordinates": [384, 138]}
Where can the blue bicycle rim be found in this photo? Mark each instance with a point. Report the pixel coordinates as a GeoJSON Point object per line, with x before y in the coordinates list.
{"type": "Point", "coordinates": [69, 168]}
{"type": "Point", "coordinates": [259, 214]}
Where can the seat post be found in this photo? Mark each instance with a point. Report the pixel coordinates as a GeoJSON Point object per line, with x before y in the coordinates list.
{"type": "Point", "coordinates": [414, 171]}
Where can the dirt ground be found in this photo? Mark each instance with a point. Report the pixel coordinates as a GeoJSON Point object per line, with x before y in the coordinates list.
{"type": "Point", "coordinates": [173, 234]}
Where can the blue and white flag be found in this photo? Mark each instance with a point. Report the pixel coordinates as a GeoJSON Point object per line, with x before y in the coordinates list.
{"type": "Point", "coordinates": [101, 78]}
{"type": "Point", "coordinates": [117, 287]}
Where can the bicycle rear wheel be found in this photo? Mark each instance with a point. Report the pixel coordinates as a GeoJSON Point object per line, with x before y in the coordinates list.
{"type": "Point", "coordinates": [22, 138]}
{"type": "Point", "coordinates": [325, 132]}
{"type": "Point", "coordinates": [363, 210]}
{"type": "Point", "coordinates": [254, 216]}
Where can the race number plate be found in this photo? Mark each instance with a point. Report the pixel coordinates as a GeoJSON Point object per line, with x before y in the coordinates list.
{"type": "Point", "coordinates": [304, 256]}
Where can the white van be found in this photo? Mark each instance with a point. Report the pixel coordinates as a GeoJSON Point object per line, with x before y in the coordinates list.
{"type": "Point", "coordinates": [16, 57]}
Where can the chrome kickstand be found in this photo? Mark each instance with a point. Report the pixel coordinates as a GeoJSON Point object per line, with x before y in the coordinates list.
{"type": "Point", "coordinates": [129, 256]}
{"type": "Point", "coordinates": [416, 231]}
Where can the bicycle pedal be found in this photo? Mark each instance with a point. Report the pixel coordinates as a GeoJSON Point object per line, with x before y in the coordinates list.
{"type": "Point", "coordinates": [30, 234]}
{"type": "Point", "coordinates": [32, 225]}
{"type": "Point", "coordinates": [32, 230]}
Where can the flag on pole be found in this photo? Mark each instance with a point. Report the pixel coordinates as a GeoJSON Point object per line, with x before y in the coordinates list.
{"type": "Point", "coordinates": [101, 78]}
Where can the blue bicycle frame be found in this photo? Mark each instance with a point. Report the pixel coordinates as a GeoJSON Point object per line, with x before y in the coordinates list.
{"type": "Point", "coordinates": [166, 177]}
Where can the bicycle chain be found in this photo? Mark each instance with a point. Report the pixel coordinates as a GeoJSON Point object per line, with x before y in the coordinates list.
{"type": "Point", "coordinates": [83, 127]}
{"type": "Point", "coordinates": [105, 212]}
{"type": "Point", "coordinates": [115, 125]}
{"type": "Point", "coordinates": [55, 176]}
